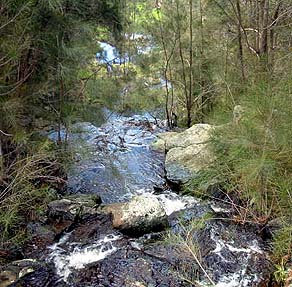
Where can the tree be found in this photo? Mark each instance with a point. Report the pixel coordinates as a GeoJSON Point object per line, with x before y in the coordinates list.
{"type": "Point", "coordinates": [44, 48]}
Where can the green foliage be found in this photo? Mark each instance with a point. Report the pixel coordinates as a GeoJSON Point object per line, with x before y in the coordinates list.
{"type": "Point", "coordinates": [26, 195]}
{"type": "Point", "coordinates": [43, 47]}
{"type": "Point", "coordinates": [281, 274]}
{"type": "Point", "coordinates": [46, 50]}
{"type": "Point", "coordinates": [282, 245]}
{"type": "Point", "coordinates": [103, 91]}
{"type": "Point", "coordinates": [140, 96]}
{"type": "Point", "coordinates": [253, 159]}
{"type": "Point", "coordinates": [185, 242]}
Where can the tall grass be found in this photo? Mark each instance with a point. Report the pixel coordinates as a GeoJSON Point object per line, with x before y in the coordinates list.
{"type": "Point", "coordinates": [185, 242]}
{"type": "Point", "coordinates": [29, 183]}
{"type": "Point", "coordinates": [254, 158]}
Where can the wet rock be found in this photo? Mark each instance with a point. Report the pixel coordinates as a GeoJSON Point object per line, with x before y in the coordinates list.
{"type": "Point", "coordinates": [42, 276]}
{"type": "Point", "coordinates": [90, 227]}
{"type": "Point", "coordinates": [140, 215]}
{"type": "Point", "coordinates": [121, 165]}
{"type": "Point", "coordinates": [186, 217]}
{"type": "Point", "coordinates": [17, 272]}
{"type": "Point", "coordinates": [10, 253]}
{"type": "Point", "coordinates": [272, 228]}
{"type": "Point", "coordinates": [119, 162]}
{"type": "Point", "coordinates": [233, 254]}
{"type": "Point", "coordinates": [62, 213]}
{"type": "Point", "coordinates": [69, 256]}
{"type": "Point", "coordinates": [128, 268]}
{"type": "Point", "coordinates": [188, 152]}
{"type": "Point", "coordinates": [41, 235]}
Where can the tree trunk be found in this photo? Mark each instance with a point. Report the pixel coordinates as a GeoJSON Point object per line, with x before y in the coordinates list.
{"type": "Point", "coordinates": [190, 97]}
{"type": "Point", "coordinates": [1, 161]}
{"type": "Point", "coordinates": [168, 118]}
{"type": "Point", "coordinates": [184, 77]}
{"type": "Point", "coordinates": [272, 35]}
{"type": "Point", "coordinates": [240, 48]}
{"type": "Point", "coordinates": [264, 16]}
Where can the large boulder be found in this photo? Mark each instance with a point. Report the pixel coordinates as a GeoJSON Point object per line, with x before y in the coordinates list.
{"type": "Point", "coordinates": [188, 152]}
{"type": "Point", "coordinates": [163, 141]}
{"type": "Point", "coordinates": [181, 164]}
{"type": "Point", "coordinates": [142, 214]}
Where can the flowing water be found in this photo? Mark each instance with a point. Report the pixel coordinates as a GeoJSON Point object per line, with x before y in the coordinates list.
{"type": "Point", "coordinates": [119, 161]}
{"type": "Point", "coordinates": [116, 162]}
{"type": "Point", "coordinates": [119, 164]}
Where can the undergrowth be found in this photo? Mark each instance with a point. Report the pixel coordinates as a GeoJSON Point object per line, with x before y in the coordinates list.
{"type": "Point", "coordinates": [254, 160]}
{"type": "Point", "coordinates": [185, 241]}
{"type": "Point", "coordinates": [29, 181]}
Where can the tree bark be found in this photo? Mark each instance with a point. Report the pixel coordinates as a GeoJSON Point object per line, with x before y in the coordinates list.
{"type": "Point", "coordinates": [184, 77]}
{"type": "Point", "coordinates": [240, 48]}
{"type": "Point", "coordinates": [264, 16]}
{"type": "Point", "coordinates": [1, 161]}
{"type": "Point", "coordinates": [190, 97]}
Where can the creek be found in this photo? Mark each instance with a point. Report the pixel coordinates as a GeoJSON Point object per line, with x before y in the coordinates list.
{"type": "Point", "coordinates": [119, 164]}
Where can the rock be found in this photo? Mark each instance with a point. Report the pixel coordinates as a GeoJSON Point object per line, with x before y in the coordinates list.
{"type": "Point", "coordinates": [62, 213]}
{"type": "Point", "coordinates": [7, 277]}
{"type": "Point", "coordinates": [272, 227]}
{"type": "Point", "coordinates": [188, 152]}
{"type": "Point", "coordinates": [41, 236]}
{"type": "Point", "coordinates": [197, 134]}
{"type": "Point", "coordinates": [42, 275]}
{"type": "Point", "coordinates": [140, 215]}
{"type": "Point", "coordinates": [181, 164]}
{"type": "Point", "coordinates": [117, 152]}
{"type": "Point", "coordinates": [70, 206]}
{"type": "Point", "coordinates": [91, 227]}
{"type": "Point", "coordinates": [232, 254]}
{"type": "Point", "coordinates": [128, 267]}
{"type": "Point", "coordinates": [10, 253]}
{"type": "Point", "coordinates": [163, 140]}
{"type": "Point", "coordinates": [16, 270]}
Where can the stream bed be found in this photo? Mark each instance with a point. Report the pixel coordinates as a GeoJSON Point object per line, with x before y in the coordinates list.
{"type": "Point", "coordinates": [116, 163]}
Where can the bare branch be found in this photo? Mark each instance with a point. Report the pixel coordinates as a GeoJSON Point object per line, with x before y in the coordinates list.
{"type": "Point", "coordinates": [14, 18]}
{"type": "Point", "coordinates": [5, 134]}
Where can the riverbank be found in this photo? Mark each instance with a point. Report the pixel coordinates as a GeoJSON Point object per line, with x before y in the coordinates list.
{"type": "Point", "coordinates": [83, 237]}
